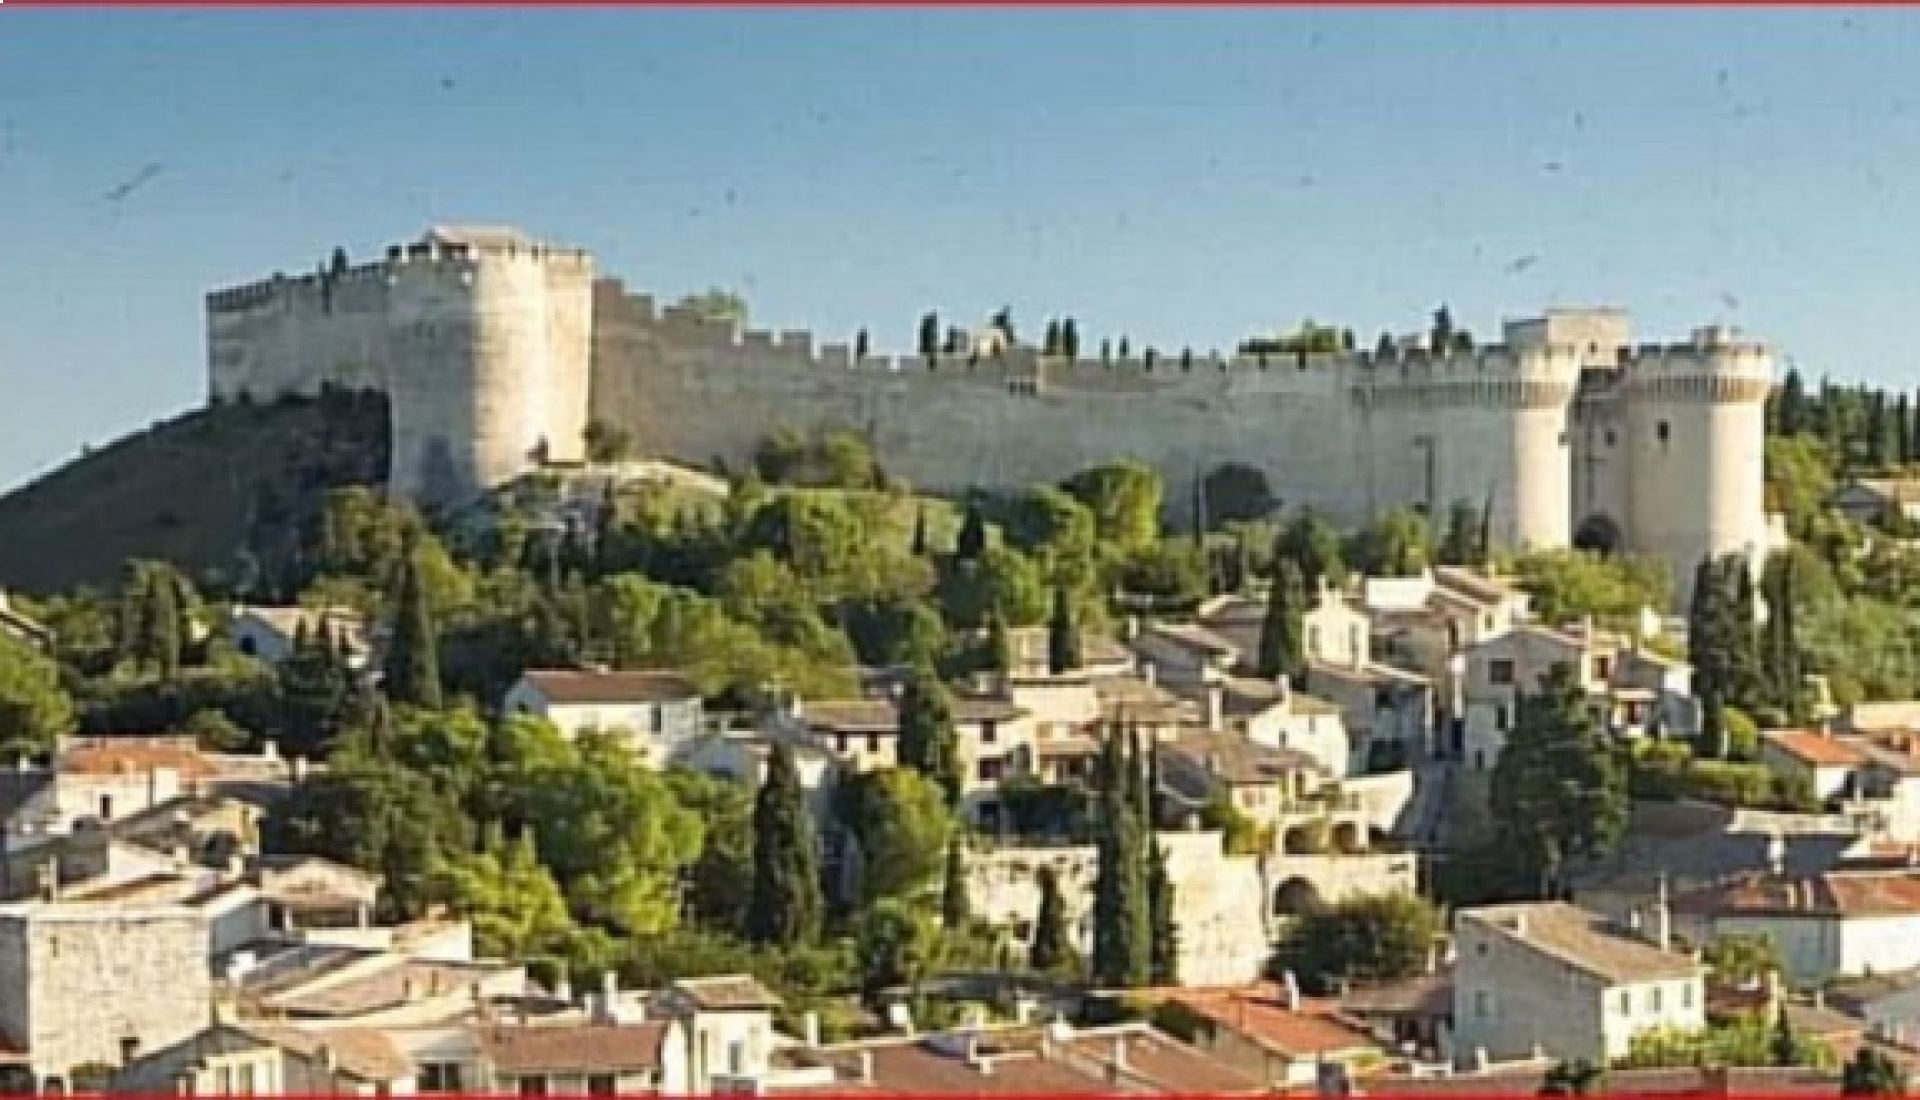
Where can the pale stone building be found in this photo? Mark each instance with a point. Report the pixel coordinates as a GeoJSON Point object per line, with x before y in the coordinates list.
{"type": "Point", "coordinates": [1840, 923]}
{"type": "Point", "coordinates": [496, 351]}
{"type": "Point", "coordinates": [652, 712]}
{"type": "Point", "coordinates": [1550, 979]}
{"type": "Point", "coordinates": [270, 633]}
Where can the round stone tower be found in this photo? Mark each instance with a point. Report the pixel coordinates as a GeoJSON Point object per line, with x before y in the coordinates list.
{"type": "Point", "coordinates": [1697, 432]}
{"type": "Point", "coordinates": [489, 335]}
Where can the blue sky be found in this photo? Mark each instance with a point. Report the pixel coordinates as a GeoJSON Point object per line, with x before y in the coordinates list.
{"type": "Point", "coordinates": [1186, 177]}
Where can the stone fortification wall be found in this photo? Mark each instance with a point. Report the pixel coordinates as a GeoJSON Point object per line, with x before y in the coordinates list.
{"type": "Point", "coordinates": [1345, 434]}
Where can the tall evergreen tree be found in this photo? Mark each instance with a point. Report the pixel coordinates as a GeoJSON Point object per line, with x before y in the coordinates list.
{"type": "Point", "coordinates": [1784, 1047]}
{"type": "Point", "coordinates": [1282, 647]}
{"type": "Point", "coordinates": [1780, 652]}
{"type": "Point", "coordinates": [999, 643]}
{"type": "Point", "coordinates": [1560, 786]}
{"type": "Point", "coordinates": [1063, 635]}
{"type": "Point", "coordinates": [786, 900]}
{"type": "Point", "coordinates": [927, 741]}
{"type": "Point", "coordinates": [412, 672]}
{"type": "Point", "coordinates": [929, 335]}
{"type": "Point", "coordinates": [1790, 405]}
{"type": "Point", "coordinates": [1903, 430]}
{"type": "Point", "coordinates": [955, 907]}
{"type": "Point", "coordinates": [1163, 928]}
{"type": "Point", "coordinates": [920, 532]}
{"type": "Point", "coordinates": [1460, 545]}
{"type": "Point", "coordinates": [1879, 430]}
{"type": "Point", "coordinates": [1052, 948]}
{"type": "Point", "coordinates": [1122, 937]}
{"type": "Point", "coordinates": [973, 535]}
{"type": "Point", "coordinates": [164, 621]}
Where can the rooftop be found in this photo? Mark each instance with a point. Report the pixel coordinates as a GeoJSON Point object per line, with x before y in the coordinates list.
{"type": "Point", "coordinates": [1312, 1029]}
{"type": "Point", "coordinates": [727, 991]}
{"type": "Point", "coordinates": [1582, 940]}
{"type": "Point", "coordinates": [563, 1048]}
{"type": "Point", "coordinates": [1816, 749]}
{"type": "Point", "coordinates": [586, 687]}
{"type": "Point", "coordinates": [883, 715]}
{"type": "Point", "coordinates": [1831, 894]}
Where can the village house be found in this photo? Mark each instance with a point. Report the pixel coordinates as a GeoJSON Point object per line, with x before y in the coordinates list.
{"type": "Point", "coordinates": [653, 713]}
{"type": "Point", "coordinates": [232, 1058]}
{"type": "Point", "coordinates": [1870, 500]}
{"type": "Point", "coordinates": [271, 634]}
{"type": "Point", "coordinates": [1550, 979]}
{"type": "Point", "coordinates": [1825, 763]}
{"type": "Point", "coordinates": [1839, 923]}
{"type": "Point", "coordinates": [1271, 1033]}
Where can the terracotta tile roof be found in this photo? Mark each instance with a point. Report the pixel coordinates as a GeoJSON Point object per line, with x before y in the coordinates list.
{"type": "Point", "coordinates": [1832, 894]}
{"type": "Point", "coordinates": [1170, 1065]}
{"type": "Point", "coordinates": [366, 1053]}
{"type": "Point", "coordinates": [1315, 1029]}
{"type": "Point", "coordinates": [133, 755]}
{"type": "Point", "coordinates": [1581, 939]}
{"type": "Point", "coordinates": [1816, 749]}
{"type": "Point", "coordinates": [582, 1048]}
{"type": "Point", "coordinates": [916, 1068]}
{"type": "Point", "coordinates": [563, 687]}
{"type": "Point", "coordinates": [883, 716]}
{"type": "Point", "coordinates": [728, 991]}
{"type": "Point", "coordinates": [1424, 995]}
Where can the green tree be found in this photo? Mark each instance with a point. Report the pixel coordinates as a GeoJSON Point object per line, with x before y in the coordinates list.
{"type": "Point", "coordinates": [1568, 584]}
{"type": "Point", "coordinates": [897, 945]}
{"type": "Point", "coordinates": [1741, 959]}
{"type": "Point", "coordinates": [902, 824]}
{"type": "Point", "coordinates": [34, 709]}
{"type": "Point", "coordinates": [1780, 651]}
{"type": "Point", "coordinates": [928, 742]}
{"type": "Point", "coordinates": [1282, 647]}
{"type": "Point", "coordinates": [717, 305]}
{"type": "Point", "coordinates": [1576, 1078]}
{"type": "Point", "coordinates": [1124, 498]}
{"type": "Point", "coordinates": [786, 904]}
{"type": "Point", "coordinates": [1235, 492]}
{"type": "Point", "coordinates": [1785, 1046]}
{"type": "Point", "coordinates": [1163, 924]}
{"type": "Point", "coordinates": [1872, 1072]}
{"type": "Point", "coordinates": [955, 907]}
{"type": "Point", "coordinates": [720, 881]}
{"type": "Point", "coordinates": [1397, 543]}
{"type": "Point", "coordinates": [1560, 786]}
{"type": "Point", "coordinates": [1313, 546]}
{"type": "Point", "coordinates": [1789, 405]}
{"type": "Point", "coordinates": [1461, 545]}
{"type": "Point", "coordinates": [515, 906]}
{"type": "Point", "coordinates": [1052, 948]}
{"type": "Point", "coordinates": [1365, 938]}
{"type": "Point", "coordinates": [1063, 635]}
{"type": "Point", "coordinates": [999, 644]}
{"type": "Point", "coordinates": [412, 673]}
{"type": "Point", "coordinates": [973, 535]}
{"type": "Point", "coordinates": [1122, 914]}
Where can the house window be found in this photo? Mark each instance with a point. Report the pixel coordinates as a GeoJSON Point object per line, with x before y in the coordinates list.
{"type": "Point", "coordinates": [223, 1081]}
{"type": "Point", "coordinates": [737, 1058]}
{"type": "Point", "coordinates": [601, 1084]}
{"type": "Point", "coordinates": [1603, 668]}
{"type": "Point", "coordinates": [988, 733]}
{"type": "Point", "coordinates": [440, 1077]}
{"type": "Point", "coordinates": [246, 1079]}
{"type": "Point", "coordinates": [1663, 432]}
{"type": "Point", "coordinates": [1482, 1004]}
{"type": "Point", "coordinates": [991, 770]}
{"type": "Point", "coordinates": [532, 1086]}
{"type": "Point", "coordinates": [840, 743]}
{"type": "Point", "coordinates": [873, 742]}
{"type": "Point", "coordinates": [1653, 999]}
{"type": "Point", "coordinates": [1626, 1003]}
{"type": "Point", "coordinates": [106, 807]}
{"type": "Point", "coordinates": [1500, 672]}
{"type": "Point", "coordinates": [1500, 718]}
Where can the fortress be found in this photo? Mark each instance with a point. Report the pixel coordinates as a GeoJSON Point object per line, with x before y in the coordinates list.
{"type": "Point", "coordinates": [496, 352]}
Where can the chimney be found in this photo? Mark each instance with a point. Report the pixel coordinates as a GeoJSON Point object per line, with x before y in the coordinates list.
{"type": "Point", "coordinates": [1119, 1052]}
{"type": "Point", "coordinates": [866, 1067]}
{"type": "Point", "coordinates": [49, 879]}
{"type": "Point", "coordinates": [563, 989]}
{"type": "Point", "coordinates": [1777, 854]}
{"type": "Point", "coordinates": [1662, 918]}
{"type": "Point", "coordinates": [810, 1028]}
{"type": "Point", "coordinates": [1217, 707]}
{"type": "Point", "coordinates": [1520, 925]}
{"type": "Point", "coordinates": [1149, 672]}
{"type": "Point", "coordinates": [1292, 985]}
{"type": "Point", "coordinates": [299, 768]}
{"type": "Point", "coordinates": [409, 990]}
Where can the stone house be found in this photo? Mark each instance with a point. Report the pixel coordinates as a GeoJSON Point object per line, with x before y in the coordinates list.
{"type": "Point", "coordinates": [1839, 923]}
{"type": "Point", "coordinates": [1550, 979]}
{"type": "Point", "coordinates": [996, 742]}
{"type": "Point", "coordinates": [269, 633]}
{"type": "Point", "coordinates": [728, 1021]}
{"type": "Point", "coordinates": [653, 713]}
{"type": "Point", "coordinates": [1825, 763]}
{"type": "Point", "coordinates": [1871, 499]}
{"type": "Point", "coordinates": [91, 985]}
{"type": "Point", "coordinates": [1273, 1034]}
{"type": "Point", "coordinates": [233, 1058]}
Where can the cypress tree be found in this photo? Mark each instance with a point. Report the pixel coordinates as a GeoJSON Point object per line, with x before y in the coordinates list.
{"type": "Point", "coordinates": [955, 907]}
{"type": "Point", "coordinates": [786, 903]}
{"type": "Point", "coordinates": [1122, 931]}
{"type": "Point", "coordinates": [928, 743]}
{"type": "Point", "coordinates": [999, 643]}
{"type": "Point", "coordinates": [1902, 431]}
{"type": "Point", "coordinates": [1744, 675]}
{"type": "Point", "coordinates": [1784, 1046]}
{"type": "Point", "coordinates": [1281, 650]}
{"type": "Point", "coordinates": [1063, 635]}
{"type": "Point", "coordinates": [412, 673]}
{"type": "Point", "coordinates": [1790, 405]}
{"type": "Point", "coordinates": [1138, 797]}
{"type": "Point", "coordinates": [1785, 673]}
{"type": "Point", "coordinates": [973, 535]}
{"type": "Point", "coordinates": [920, 532]}
{"type": "Point", "coordinates": [1051, 949]}
{"type": "Point", "coordinates": [1877, 429]}
{"type": "Point", "coordinates": [163, 623]}
{"type": "Point", "coordinates": [1164, 955]}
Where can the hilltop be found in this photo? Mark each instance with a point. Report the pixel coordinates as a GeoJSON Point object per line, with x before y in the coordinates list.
{"type": "Point", "coordinates": [189, 490]}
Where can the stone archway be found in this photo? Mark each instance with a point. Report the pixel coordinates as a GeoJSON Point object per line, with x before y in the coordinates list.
{"type": "Point", "coordinates": [1296, 897]}
{"type": "Point", "coordinates": [1599, 533]}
